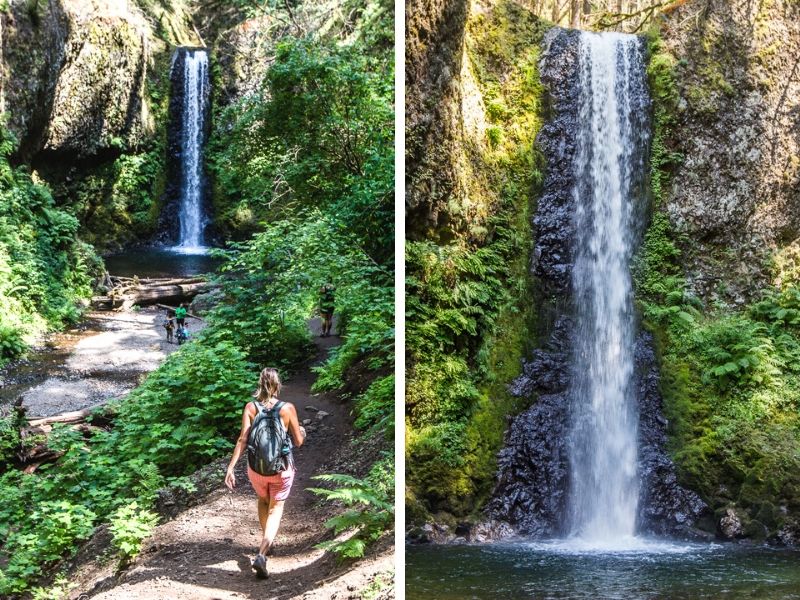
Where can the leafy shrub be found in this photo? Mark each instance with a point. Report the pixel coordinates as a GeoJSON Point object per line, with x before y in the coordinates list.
{"type": "Point", "coordinates": [130, 526]}
{"type": "Point", "coordinates": [318, 135]}
{"type": "Point", "coordinates": [44, 269]}
{"type": "Point", "coordinates": [12, 344]}
{"type": "Point", "coordinates": [40, 538]}
{"type": "Point", "coordinates": [187, 411]}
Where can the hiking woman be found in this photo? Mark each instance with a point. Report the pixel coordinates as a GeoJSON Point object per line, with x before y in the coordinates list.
{"type": "Point", "coordinates": [272, 490]}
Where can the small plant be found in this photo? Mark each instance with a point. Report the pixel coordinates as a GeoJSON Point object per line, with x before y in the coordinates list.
{"type": "Point", "coordinates": [12, 345]}
{"type": "Point", "coordinates": [58, 591]}
{"type": "Point", "coordinates": [370, 514]}
{"type": "Point", "coordinates": [130, 525]}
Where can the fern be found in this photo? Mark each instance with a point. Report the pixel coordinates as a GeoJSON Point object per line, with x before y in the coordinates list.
{"type": "Point", "coordinates": [370, 512]}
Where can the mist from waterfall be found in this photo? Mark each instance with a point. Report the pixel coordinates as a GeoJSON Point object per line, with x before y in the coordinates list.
{"type": "Point", "coordinates": [609, 164]}
{"type": "Point", "coordinates": [191, 214]}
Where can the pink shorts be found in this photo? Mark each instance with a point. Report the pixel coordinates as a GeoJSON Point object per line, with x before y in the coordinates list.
{"type": "Point", "coordinates": [276, 487]}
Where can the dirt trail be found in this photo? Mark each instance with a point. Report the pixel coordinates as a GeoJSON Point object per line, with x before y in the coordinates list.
{"type": "Point", "coordinates": [205, 552]}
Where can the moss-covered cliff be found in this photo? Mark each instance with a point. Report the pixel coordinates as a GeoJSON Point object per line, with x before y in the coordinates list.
{"type": "Point", "coordinates": [716, 277]}
{"type": "Point", "coordinates": [85, 86]}
{"type": "Point", "coordinates": [473, 110]}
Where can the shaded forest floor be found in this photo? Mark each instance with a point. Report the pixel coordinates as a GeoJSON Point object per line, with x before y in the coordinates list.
{"type": "Point", "coordinates": [205, 551]}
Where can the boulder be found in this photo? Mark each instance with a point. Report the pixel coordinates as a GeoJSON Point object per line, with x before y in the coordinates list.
{"type": "Point", "coordinates": [730, 525]}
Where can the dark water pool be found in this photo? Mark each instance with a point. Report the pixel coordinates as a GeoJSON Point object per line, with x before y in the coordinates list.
{"type": "Point", "coordinates": [159, 262]}
{"type": "Point", "coordinates": [544, 571]}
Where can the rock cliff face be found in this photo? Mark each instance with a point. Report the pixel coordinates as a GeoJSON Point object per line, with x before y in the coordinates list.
{"type": "Point", "coordinates": [530, 497]}
{"type": "Point", "coordinates": [736, 191]}
{"type": "Point", "coordinates": [75, 74]}
{"type": "Point", "coordinates": [440, 105]}
{"type": "Point", "coordinates": [85, 84]}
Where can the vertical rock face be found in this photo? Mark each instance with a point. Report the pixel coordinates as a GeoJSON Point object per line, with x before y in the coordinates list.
{"type": "Point", "coordinates": [74, 76]}
{"type": "Point", "coordinates": [735, 189]}
{"type": "Point", "coordinates": [531, 494]}
{"type": "Point", "coordinates": [553, 223]}
{"type": "Point", "coordinates": [665, 508]}
{"type": "Point", "coordinates": [533, 479]}
{"type": "Point", "coordinates": [434, 115]}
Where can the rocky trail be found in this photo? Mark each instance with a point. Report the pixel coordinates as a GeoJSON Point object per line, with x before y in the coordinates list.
{"type": "Point", "coordinates": [204, 553]}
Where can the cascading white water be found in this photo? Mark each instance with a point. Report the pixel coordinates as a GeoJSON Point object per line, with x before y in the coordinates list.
{"type": "Point", "coordinates": [604, 488]}
{"type": "Point", "coordinates": [191, 215]}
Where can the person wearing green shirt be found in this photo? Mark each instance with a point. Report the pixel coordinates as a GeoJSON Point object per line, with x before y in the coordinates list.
{"type": "Point", "coordinates": [180, 314]}
{"type": "Point", "coordinates": [326, 306]}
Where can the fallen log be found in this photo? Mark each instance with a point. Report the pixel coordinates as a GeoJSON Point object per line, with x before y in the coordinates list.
{"type": "Point", "coordinates": [45, 457]}
{"type": "Point", "coordinates": [75, 416]}
{"type": "Point", "coordinates": [146, 295]}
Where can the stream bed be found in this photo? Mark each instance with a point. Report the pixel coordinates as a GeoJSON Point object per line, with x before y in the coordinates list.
{"type": "Point", "coordinates": [108, 353]}
{"type": "Point", "coordinates": [655, 571]}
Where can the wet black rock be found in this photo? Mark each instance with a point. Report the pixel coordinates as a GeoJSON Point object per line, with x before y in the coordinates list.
{"type": "Point", "coordinates": [554, 226]}
{"type": "Point", "coordinates": [665, 508]}
{"type": "Point", "coordinates": [532, 470]}
{"type": "Point", "coordinates": [530, 497]}
{"type": "Point", "coordinates": [547, 371]}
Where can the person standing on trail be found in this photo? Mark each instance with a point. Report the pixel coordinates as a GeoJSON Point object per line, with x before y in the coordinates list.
{"type": "Point", "coordinates": [269, 429]}
{"type": "Point", "coordinates": [327, 304]}
{"type": "Point", "coordinates": [169, 325]}
{"type": "Point", "coordinates": [180, 314]}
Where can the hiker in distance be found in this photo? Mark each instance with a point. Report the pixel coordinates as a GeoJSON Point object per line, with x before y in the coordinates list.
{"type": "Point", "coordinates": [269, 430]}
{"type": "Point", "coordinates": [180, 314]}
{"type": "Point", "coordinates": [327, 303]}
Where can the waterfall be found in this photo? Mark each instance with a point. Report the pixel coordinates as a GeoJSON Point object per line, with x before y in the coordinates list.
{"type": "Point", "coordinates": [609, 166]}
{"type": "Point", "coordinates": [193, 127]}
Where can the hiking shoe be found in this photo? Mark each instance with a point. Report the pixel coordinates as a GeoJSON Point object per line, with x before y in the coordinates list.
{"type": "Point", "coordinates": [260, 566]}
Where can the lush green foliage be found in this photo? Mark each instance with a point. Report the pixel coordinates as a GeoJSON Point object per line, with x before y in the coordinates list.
{"type": "Point", "coordinates": [729, 375]}
{"type": "Point", "coordinates": [470, 300]}
{"type": "Point", "coordinates": [116, 202]}
{"type": "Point", "coordinates": [182, 416]}
{"type": "Point", "coordinates": [307, 165]}
{"type": "Point", "coordinates": [130, 526]}
{"type": "Point", "coordinates": [45, 271]}
{"type": "Point", "coordinates": [319, 134]}
{"type": "Point", "coordinates": [370, 508]}
{"type": "Point", "coordinates": [310, 160]}
{"type": "Point", "coordinates": [272, 283]}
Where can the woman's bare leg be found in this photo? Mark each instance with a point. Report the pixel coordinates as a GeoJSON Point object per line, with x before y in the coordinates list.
{"type": "Point", "coordinates": [274, 514]}
{"type": "Point", "coordinates": [263, 510]}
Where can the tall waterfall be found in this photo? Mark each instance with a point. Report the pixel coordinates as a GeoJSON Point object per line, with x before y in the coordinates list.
{"type": "Point", "coordinates": [195, 95]}
{"type": "Point", "coordinates": [609, 164]}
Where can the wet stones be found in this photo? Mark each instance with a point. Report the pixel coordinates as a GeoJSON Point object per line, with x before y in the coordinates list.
{"type": "Point", "coordinates": [730, 525]}
{"type": "Point", "coordinates": [532, 472]}
{"type": "Point", "coordinates": [554, 227]}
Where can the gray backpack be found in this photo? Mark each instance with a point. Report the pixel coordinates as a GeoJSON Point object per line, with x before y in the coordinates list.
{"type": "Point", "coordinates": [269, 449]}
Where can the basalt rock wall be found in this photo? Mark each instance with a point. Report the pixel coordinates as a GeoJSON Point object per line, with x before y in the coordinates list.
{"type": "Point", "coordinates": [735, 191]}
{"type": "Point", "coordinates": [533, 481]}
